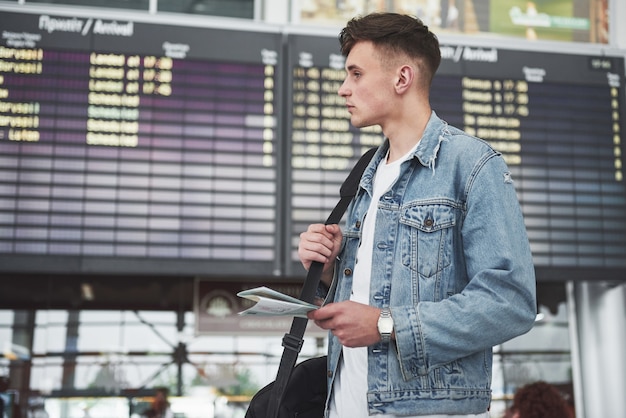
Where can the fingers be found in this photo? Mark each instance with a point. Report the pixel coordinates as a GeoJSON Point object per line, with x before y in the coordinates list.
{"type": "Point", "coordinates": [319, 243]}
{"type": "Point", "coordinates": [323, 317]}
{"type": "Point", "coordinates": [322, 314]}
{"type": "Point", "coordinates": [353, 324]}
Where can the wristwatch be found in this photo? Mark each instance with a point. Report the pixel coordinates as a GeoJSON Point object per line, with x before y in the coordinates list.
{"type": "Point", "coordinates": [385, 325]}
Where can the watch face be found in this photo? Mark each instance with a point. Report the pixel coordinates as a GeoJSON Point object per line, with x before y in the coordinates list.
{"type": "Point", "coordinates": [385, 325]}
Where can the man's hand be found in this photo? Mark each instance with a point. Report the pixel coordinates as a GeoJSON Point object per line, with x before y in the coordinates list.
{"type": "Point", "coordinates": [320, 243]}
{"type": "Point", "coordinates": [354, 324]}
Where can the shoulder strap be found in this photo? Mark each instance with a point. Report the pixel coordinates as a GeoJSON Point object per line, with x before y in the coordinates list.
{"type": "Point", "coordinates": [292, 342]}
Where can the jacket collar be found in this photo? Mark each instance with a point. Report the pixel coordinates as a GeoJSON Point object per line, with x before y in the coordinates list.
{"type": "Point", "coordinates": [426, 151]}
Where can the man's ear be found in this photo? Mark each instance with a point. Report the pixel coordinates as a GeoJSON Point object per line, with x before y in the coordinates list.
{"type": "Point", "coordinates": [406, 78]}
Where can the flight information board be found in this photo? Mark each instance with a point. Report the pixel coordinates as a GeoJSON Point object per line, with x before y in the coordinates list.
{"type": "Point", "coordinates": [147, 147]}
{"type": "Point", "coordinates": [137, 147]}
{"type": "Point", "coordinates": [557, 119]}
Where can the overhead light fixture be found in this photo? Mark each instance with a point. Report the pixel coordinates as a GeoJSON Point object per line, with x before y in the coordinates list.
{"type": "Point", "coordinates": [86, 291]}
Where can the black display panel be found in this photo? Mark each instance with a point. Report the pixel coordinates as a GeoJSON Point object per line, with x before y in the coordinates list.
{"type": "Point", "coordinates": [136, 147]}
{"type": "Point", "coordinates": [556, 117]}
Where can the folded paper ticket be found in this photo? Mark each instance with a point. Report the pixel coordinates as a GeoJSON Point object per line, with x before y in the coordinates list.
{"type": "Point", "coordinates": [272, 303]}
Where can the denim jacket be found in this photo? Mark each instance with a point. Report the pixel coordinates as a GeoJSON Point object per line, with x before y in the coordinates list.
{"type": "Point", "coordinates": [452, 261]}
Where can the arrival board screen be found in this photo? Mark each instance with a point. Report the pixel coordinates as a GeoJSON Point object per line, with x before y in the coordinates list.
{"type": "Point", "coordinates": [135, 147]}
{"type": "Point", "coordinates": [155, 148]}
{"type": "Point", "coordinates": [556, 118]}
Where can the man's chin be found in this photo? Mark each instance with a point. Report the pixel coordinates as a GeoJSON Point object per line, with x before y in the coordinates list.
{"type": "Point", "coordinates": [357, 123]}
{"type": "Point", "coordinates": [360, 125]}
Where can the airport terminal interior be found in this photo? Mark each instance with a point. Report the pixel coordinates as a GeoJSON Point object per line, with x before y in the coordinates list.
{"type": "Point", "coordinates": [157, 157]}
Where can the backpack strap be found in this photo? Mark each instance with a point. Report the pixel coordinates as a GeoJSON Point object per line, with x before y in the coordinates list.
{"type": "Point", "coordinates": [292, 341]}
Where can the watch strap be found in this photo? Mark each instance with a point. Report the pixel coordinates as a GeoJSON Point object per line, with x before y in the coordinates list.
{"type": "Point", "coordinates": [385, 314]}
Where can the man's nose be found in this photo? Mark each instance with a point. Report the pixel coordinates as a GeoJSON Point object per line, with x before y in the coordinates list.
{"type": "Point", "coordinates": [343, 90]}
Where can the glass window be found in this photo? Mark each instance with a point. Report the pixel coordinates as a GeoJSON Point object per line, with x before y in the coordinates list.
{"type": "Point", "coordinates": [225, 8]}
{"type": "Point", "coordinates": [6, 336]}
{"type": "Point", "coordinates": [120, 332]}
{"type": "Point", "coordinates": [6, 322]}
{"type": "Point", "coordinates": [113, 4]}
{"type": "Point", "coordinates": [46, 374]}
{"type": "Point", "coordinates": [87, 407]}
{"type": "Point", "coordinates": [554, 20]}
{"type": "Point", "coordinates": [50, 331]}
{"type": "Point", "coordinates": [118, 350]}
{"type": "Point", "coordinates": [544, 353]}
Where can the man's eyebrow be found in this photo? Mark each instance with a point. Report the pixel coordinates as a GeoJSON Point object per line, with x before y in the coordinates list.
{"type": "Point", "coordinates": [352, 67]}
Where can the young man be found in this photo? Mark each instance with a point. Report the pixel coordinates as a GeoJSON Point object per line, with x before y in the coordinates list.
{"type": "Point", "coordinates": [433, 267]}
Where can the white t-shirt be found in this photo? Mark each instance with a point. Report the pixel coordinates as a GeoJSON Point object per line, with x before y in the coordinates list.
{"type": "Point", "coordinates": [350, 385]}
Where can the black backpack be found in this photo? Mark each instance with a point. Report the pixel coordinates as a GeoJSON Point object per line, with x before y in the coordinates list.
{"type": "Point", "coordinates": [304, 397]}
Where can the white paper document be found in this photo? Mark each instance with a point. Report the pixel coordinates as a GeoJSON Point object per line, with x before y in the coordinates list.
{"type": "Point", "coordinates": [272, 303]}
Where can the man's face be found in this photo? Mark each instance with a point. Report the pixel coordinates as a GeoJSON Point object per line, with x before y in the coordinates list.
{"type": "Point", "coordinates": [368, 87]}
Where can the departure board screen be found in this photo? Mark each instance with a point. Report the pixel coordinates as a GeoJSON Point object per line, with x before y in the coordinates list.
{"type": "Point", "coordinates": [137, 147]}
{"type": "Point", "coordinates": [557, 118]}
{"type": "Point", "coordinates": [163, 147]}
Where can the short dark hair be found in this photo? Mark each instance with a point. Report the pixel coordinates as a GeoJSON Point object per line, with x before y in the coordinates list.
{"type": "Point", "coordinates": [540, 399]}
{"type": "Point", "coordinates": [396, 33]}
{"type": "Point", "coordinates": [163, 390]}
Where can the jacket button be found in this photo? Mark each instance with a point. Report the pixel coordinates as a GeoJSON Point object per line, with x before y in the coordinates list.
{"type": "Point", "coordinates": [347, 272]}
{"type": "Point", "coordinates": [428, 222]}
{"type": "Point", "coordinates": [329, 373]}
{"type": "Point", "coordinates": [358, 224]}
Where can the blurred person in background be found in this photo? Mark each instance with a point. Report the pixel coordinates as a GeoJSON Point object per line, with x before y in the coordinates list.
{"type": "Point", "coordinates": [539, 400]}
{"type": "Point", "coordinates": [160, 407]}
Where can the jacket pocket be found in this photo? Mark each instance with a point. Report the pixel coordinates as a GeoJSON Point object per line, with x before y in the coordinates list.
{"type": "Point", "coordinates": [427, 237]}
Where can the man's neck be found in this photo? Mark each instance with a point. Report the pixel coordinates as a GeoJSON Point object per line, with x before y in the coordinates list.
{"type": "Point", "coordinates": [405, 133]}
